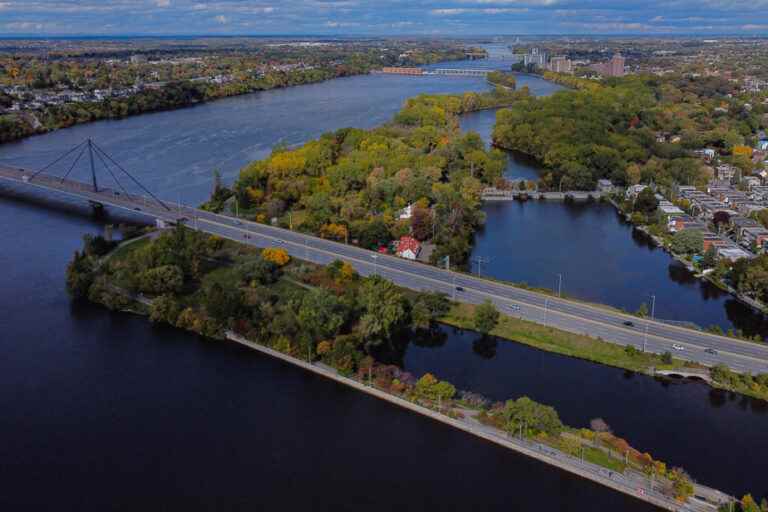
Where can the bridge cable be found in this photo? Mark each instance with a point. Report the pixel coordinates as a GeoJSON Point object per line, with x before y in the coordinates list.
{"type": "Point", "coordinates": [58, 159]}
{"type": "Point", "coordinates": [73, 165]}
{"type": "Point", "coordinates": [99, 150]}
{"type": "Point", "coordinates": [104, 163]}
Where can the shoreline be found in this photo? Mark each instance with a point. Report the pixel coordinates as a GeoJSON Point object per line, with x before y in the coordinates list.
{"type": "Point", "coordinates": [531, 449]}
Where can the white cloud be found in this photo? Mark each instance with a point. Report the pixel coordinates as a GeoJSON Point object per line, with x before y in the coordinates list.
{"type": "Point", "coordinates": [163, 3]}
{"type": "Point", "coordinates": [221, 19]}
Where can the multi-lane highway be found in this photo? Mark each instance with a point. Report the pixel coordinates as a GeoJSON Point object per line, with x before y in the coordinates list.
{"type": "Point", "coordinates": [565, 314]}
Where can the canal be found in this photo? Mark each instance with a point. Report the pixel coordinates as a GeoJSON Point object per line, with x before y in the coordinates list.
{"type": "Point", "coordinates": [105, 411]}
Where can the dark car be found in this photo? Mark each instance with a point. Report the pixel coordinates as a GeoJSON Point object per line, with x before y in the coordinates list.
{"type": "Point", "coordinates": [710, 351]}
{"type": "Point", "coordinates": [629, 323]}
{"type": "Point", "coordinates": [459, 289]}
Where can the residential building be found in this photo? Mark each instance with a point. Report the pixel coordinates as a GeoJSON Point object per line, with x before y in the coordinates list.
{"type": "Point", "coordinates": [536, 57]}
{"type": "Point", "coordinates": [561, 64]}
{"type": "Point", "coordinates": [408, 248]}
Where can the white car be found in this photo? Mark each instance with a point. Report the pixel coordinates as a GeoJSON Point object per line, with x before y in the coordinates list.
{"type": "Point", "coordinates": [677, 347]}
{"type": "Point", "coordinates": [514, 307]}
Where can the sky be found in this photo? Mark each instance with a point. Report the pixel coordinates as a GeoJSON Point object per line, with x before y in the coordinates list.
{"type": "Point", "coordinates": [382, 17]}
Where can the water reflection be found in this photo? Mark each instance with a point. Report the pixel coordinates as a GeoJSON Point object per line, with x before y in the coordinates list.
{"type": "Point", "coordinates": [677, 420]}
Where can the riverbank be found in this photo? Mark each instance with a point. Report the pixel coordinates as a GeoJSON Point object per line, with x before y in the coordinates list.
{"type": "Point", "coordinates": [639, 489]}
{"type": "Point", "coordinates": [197, 306]}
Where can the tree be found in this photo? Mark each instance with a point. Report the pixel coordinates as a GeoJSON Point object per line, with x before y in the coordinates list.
{"type": "Point", "coordinates": [421, 223]}
{"type": "Point", "coordinates": [486, 317]}
{"type": "Point", "coordinates": [646, 202]}
{"type": "Point", "coordinates": [710, 258]}
{"type": "Point", "coordinates": [428, 307]}
{"type": "Point", "coordinates": [748, 504]}
{"type": "Point", "coordinates": [162, 280]}
{"type": "Point", "coordinates": [275, 255]}
{"type": "Point", "coordinates": [257, 271]}
{"type": "Point", "coordinates": [430, 388]}
{"type": "Point", "coordinates": [166, 309]}
{"type": "Point", "coordinates": [222, 305]}
{"type": "Point", "coordinates": [320, 314]}
{"type": "Point", "coordinates": [385, 309]}
{"type": "Point", "coordinates": [531, 416]}
{"type": "Point", "coordinates": [79, 275]}
{"type": "Point", "coordinates": [642, 311]}
{"type": "Point", "coordinates": [689, 241]}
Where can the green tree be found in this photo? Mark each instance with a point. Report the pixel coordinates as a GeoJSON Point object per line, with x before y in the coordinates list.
{"type": "Point", "coordinates": [162, 280]}
{"type": "Point", "coordinates": [688, 242]}
{"type": "Point", "coordinates": [165, 308]}
{"type": "Point", "coordinates": [321, 315]}
{"type": "Point", "coordinates": [385, 309]}
{"type": "Point", "coordinates": [710, 258]}
{"type": "Point", "coordinates": [532, 416]}
{"type": "Point", "coordinates": [432, 389]}
{"type": "Point", "coordinates": [79, 275]}
{"type": "Point", "coordinates": [646, 202]}
{"type": "Point", "coordinates": [486, 317]}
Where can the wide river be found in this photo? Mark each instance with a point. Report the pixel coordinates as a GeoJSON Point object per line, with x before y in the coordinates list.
{"type": "Point", "coordinates": [105, 411]}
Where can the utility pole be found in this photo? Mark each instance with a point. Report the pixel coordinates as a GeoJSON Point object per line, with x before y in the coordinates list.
{"type": "Point", "coordinates": [653, 311]}
{"type": "Point", "coordinates": [546, 303]}
{"type": "Point", "coordinates": [480, 260]}
{"type": "Point", "coordinates": [559, 285]}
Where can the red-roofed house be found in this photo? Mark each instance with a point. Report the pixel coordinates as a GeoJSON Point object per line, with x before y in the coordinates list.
{"type": "Point", "coordinates": [408, 248]}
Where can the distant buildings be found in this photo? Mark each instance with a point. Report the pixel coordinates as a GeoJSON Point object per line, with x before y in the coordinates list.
{"type": "Point", "coordinates": [561, 64]}
{"type": "Point", "coordinates": [614, 67]}
{"type": "Point", "coordinates": [535, 57]}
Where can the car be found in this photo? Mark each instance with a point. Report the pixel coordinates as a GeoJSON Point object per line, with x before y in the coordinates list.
{"type": "Point", "coordinates": [677, 346]}
{"type": "Point", "coordinates": [514, 307]}
{"type": "Point", "coordinates": [239, 223]}
{"type": "Point", "coordinates": [711, 351]}
{"type": "Point", "coordinates": [459, 288]}
{"type": "Point", "coordinates": [629, 323]}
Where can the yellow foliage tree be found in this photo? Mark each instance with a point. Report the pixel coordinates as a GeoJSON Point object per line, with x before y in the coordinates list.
{"type": "Point", "coordinates": [324, 347]}
{"type": "Point", "coordinates": [742, 150]}
{"type": "Point", "coordinates": [334, 231]}
{"type": "Point", "coordinates": [277, 256]}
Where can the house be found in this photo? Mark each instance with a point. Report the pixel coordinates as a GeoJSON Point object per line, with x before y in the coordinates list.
{"type": "Point", "coordinates": [406, 213]}
{"type": "Point", "coordinates": [732, 253]}
{"type": "Point", "coordinates": [668, 208]}
{"type": "Point", "coordinates": [408, 248]}
{"type": "Point", "coordinates": [605, 186]}
{"type": "Point", "coordinates": [712, 240]}
{"type": "Point", "coordinates": [726, 172]}
{"type": "Point", "coordinates": [633, 190]}
{"type": "Point", "coordinates": [754, 236]}
{"type": "Point", "coordinates": [677, 223]}
{"type": "Point", "coordinates": [706, 153]}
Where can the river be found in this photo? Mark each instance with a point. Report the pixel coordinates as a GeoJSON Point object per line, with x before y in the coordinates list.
{"type": "Point", "coordinates": [103, 411]}
{"type": "Point", "coordinates": [600, 256]}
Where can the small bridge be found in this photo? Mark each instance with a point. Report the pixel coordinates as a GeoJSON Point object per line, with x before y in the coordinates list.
{"type": "Point", "coordinates": [459, 72]}
{"type": "Point", "coordinates": [493, 194]}
{"type": "Point", "coordinates": [432, 72]}
{"type": "Point", "coordinates": [686, 373]}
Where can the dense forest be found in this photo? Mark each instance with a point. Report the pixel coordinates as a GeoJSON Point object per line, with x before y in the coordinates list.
{"type": "Point", "coordinates": [631, 129]}
{"type": "Point", "coordinates": [351, 185]}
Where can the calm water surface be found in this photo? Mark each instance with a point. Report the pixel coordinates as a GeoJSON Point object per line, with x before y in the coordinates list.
{"type": "Point", "coordinates": [103, 411]}
{"type": "Point", "coordinates": [601, 258]}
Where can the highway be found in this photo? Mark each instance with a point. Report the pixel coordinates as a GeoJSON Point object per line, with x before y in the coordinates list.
{"type": "Point", "coordinates": [565, 314]}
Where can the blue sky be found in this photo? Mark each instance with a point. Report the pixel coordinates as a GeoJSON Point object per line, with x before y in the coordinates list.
{"type": "Point", "coordinates": [381, 17]}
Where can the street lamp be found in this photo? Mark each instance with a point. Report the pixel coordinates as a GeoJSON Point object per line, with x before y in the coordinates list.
{"type": "Point", "coordinates": [546, 303]}
{"type": "Point", "coordinates": [559, 285]}
{"type": "Point", "coordinates": [375, 263]}
{"type": "Point", "coordinates": [653, 311]}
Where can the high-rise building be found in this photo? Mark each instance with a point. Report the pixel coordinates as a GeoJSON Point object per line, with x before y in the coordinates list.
{"type": "Point", "coordinates": [561, 64]}
{"type": "Point", "coordinates": [536, 57]}
{"type": "Point", "coordinates": [616, 65]}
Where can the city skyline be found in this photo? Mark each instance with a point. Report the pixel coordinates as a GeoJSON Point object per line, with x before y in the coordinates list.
{"type": "Point", "coordinates": [365, 17]}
